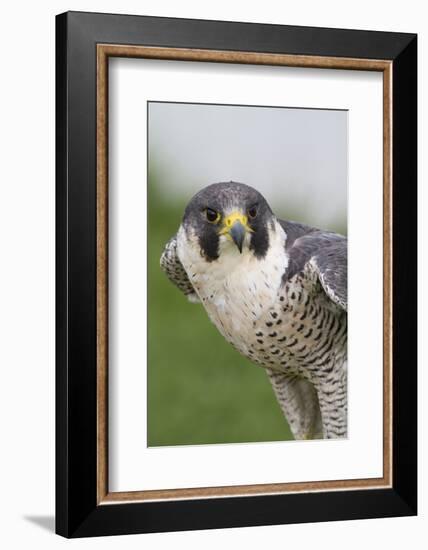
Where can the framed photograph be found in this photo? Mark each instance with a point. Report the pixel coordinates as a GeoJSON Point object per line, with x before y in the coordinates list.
{"type": "Point", "coordinates": [236, 274]}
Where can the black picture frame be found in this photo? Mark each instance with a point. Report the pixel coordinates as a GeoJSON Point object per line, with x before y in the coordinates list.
{"type": "Point", "coordinates": [78, 513]}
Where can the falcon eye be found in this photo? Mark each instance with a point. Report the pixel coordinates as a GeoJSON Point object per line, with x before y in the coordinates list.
{"type": "Point", "coordinates": [212, 216]}
{"type": "Point", "coordinates": [252, 212]}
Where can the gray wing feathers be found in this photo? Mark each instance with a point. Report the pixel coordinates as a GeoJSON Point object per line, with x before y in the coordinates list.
{"type": "Point", "coordinates": [326, 254]}
{"type": "Point", "coordinates": [174, 270]}
{"type": "Point", "coordinates": [332, 270]}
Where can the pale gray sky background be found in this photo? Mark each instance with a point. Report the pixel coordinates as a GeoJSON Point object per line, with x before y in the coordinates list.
{"type": "Point", "coordinates": [297, 158]}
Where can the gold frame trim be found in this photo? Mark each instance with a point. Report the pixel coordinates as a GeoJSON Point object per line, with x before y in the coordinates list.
{"type": "Point", "coordinates": [104, 51]}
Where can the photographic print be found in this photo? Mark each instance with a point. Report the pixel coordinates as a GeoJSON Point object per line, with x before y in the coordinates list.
{"type": "Point", "coordinates": [247, 274]}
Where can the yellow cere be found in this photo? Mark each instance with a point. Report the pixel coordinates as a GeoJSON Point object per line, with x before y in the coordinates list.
{"type": "Point", "coordinates": [231, 219]}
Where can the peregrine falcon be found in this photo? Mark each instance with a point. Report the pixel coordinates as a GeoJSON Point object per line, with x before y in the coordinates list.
{"type": "Point", "coordinates": [277, 291]}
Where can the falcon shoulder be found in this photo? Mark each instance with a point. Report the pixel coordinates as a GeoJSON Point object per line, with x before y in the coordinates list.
{"type": "Point", "coordinates": [174, 270]}
{"type": "Point", "coordinates": [321, 252]}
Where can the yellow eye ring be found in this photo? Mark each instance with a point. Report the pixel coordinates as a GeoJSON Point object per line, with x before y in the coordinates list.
{"type": "Point", "coordinates": [212, 215]}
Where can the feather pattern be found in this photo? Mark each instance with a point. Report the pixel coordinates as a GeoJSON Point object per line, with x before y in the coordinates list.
{"type": "Point", "coordinates": [324, 253]}
{"type": "Point", "coordinates": [174, 270]}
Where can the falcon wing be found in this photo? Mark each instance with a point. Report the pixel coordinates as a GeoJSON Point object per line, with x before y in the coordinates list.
{"type": "Point", "coordinates": [331, 266]}
{"type": "Point", "coordinates": [326, 254]}
{"type": "Point", "coordinates": [175, 271]}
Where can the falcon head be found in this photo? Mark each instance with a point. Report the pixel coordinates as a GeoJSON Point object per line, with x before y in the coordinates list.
{"type": "Point", "coordinates": [229, 218]}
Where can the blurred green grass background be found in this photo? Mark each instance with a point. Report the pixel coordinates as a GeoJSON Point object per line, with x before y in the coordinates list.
{"type": "Point", "coordinates": [200, 390]}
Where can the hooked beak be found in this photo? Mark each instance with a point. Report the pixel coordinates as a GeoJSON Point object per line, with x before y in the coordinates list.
{"type": "Point", "coordinates": [235, 227]}
{"type": "Point", "coordinates": [237, 232]}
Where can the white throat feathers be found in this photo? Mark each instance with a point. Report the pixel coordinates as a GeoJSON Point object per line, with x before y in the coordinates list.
{"type": "Point", "coordinates": [236, 288]}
